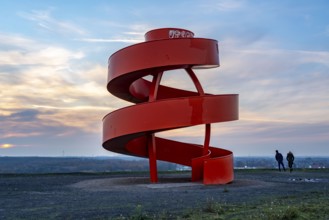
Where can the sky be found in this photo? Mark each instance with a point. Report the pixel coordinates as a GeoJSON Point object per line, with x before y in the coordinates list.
{"type": "Point", "coordinates": [53, 72]}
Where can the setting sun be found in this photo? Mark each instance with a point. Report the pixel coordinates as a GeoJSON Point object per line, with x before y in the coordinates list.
{"type": "Point", "coordinates": [6, 146]}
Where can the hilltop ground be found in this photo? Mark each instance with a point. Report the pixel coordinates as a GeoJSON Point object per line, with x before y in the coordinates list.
{"type": "Point", "coordinates": [130, 195]}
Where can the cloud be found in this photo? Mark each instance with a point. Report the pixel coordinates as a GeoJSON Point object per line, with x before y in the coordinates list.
{"type": "Point", "coordinates": [262, 138]}
{"type": "Point", "coordinates": [46, 22]}
{"type": "Point", "coordinates": [102, 40]}
{"type": "Point", "coordinates": [130, 34]}
{"type": "Point", "coordinates": [50, 88]}
{"type": "Point", "coordinates": [20, 51]}
{"type": "Point", "coordinates": [283, 97]}
{"type": "Point", "coordinates": [223, 5]}
{"type": "Point", "coordinates": [50, 56]}
{"type": "Point", "coordinates": [10, 41]}
{"type": "Point", "coordinates": [26, 115]}
{"type": "Point", "coordinates": [38, 126]}
{"type": "Point", "coordinates": [56, 95]}
{"type": "Point", "coordinates": [42, 132]}
{"type": "Point", "coordinates": [259, 138]}
{"type": "Point", "coordinates": [140, 34]}
{"type": "Point", "coordinates": [274, 84]}
{"type": "Point", "coordinates": [21, 123]}
{"type": "Point", "coordinates": [227, 5]}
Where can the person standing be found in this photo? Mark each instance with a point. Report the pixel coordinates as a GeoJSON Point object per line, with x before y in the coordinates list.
{"type": "Point", "coordinates": [290, 158]}
{"type": "Point", "coordinates": [279, 159]}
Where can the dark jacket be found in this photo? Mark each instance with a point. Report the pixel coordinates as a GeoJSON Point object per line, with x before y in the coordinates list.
{"type": "Point", "coordinates": [279, 157]}
{"type": "Point", "coordinates": [290, 157]}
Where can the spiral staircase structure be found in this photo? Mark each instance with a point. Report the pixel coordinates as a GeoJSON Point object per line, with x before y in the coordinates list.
{"type": "Point", "coordinates": [132, 130]}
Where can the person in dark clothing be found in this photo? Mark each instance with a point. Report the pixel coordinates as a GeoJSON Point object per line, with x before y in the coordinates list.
{"type": "Point", "coordinates": [290, 158]}
{"type": "Point", "coordinates": [279, 159]}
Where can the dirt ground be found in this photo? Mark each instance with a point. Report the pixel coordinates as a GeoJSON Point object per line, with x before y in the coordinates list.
{"type": "Point", "coordinates": [108, 196]}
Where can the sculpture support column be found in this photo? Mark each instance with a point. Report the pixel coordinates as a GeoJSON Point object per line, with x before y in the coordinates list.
{"type": "Point", "coordinates": [151, 140]}
{"type": "Point", "coordinates": [152, 159]}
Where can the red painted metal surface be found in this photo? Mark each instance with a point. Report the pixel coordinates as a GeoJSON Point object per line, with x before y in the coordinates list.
{"type": "Point", "coordinates": [132, 130]}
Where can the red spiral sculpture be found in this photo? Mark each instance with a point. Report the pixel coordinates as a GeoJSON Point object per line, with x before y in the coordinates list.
{"type": "Point", "coordinates": [132, 130]}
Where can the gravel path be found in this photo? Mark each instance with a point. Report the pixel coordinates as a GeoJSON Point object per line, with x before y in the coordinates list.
{"type": "Point", "coordinates": [101, 196]}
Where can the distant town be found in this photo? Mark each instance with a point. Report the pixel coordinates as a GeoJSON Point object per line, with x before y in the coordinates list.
{"type": "Point", "coordinates": [130, 164]}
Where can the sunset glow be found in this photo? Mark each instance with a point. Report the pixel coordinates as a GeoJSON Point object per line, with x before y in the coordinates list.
{"type": "Point", "coordinates": [53, 72]}
{"type": "Point", "coordinates": [6, 146]}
